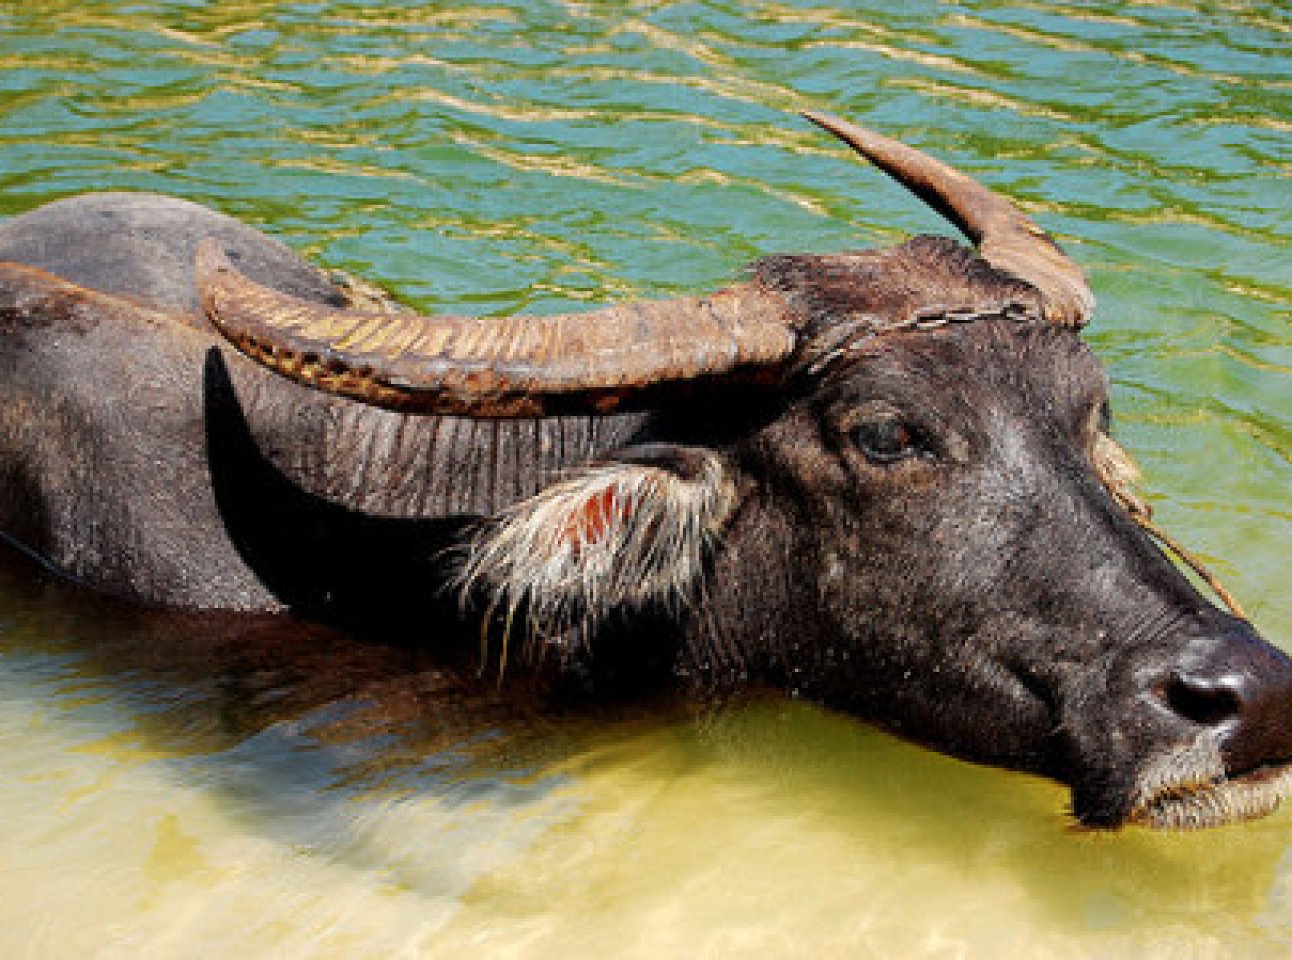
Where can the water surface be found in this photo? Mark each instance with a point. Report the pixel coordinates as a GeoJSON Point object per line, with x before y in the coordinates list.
{"type": "Point", "coordinates": [175, 786]}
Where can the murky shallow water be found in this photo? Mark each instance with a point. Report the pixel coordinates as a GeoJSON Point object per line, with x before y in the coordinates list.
{"type": "Point", "coordinates": [173, 786]}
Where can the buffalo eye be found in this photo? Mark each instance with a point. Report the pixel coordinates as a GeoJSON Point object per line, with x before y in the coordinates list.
{"type": "Point", "coordinates": [886, 441]}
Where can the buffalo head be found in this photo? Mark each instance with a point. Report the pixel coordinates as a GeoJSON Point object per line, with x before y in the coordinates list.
{"type": "Point", "coordinates": [881, 479]}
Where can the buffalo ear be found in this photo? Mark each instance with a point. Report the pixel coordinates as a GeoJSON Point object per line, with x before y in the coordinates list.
{"type": "Point", "coordinates": [631, 533]}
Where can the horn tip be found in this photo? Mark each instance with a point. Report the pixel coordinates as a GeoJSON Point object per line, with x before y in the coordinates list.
{"type": "Point", "coordinates": [211, 257]}
{"type": "Point", "coordinates": [868, 143]}
{"type": "Point", "coordinates": [826, 121]}
{"type": "Point", "coordinates": [210, 262]}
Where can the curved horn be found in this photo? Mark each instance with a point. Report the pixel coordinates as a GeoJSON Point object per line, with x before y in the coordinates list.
{"type": "Point", "coordinates": [497, 366]}
{"type": "Point", "coordinates": [1006, 238]}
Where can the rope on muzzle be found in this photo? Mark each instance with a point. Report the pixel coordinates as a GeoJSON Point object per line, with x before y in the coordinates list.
{"type": "Point", "coordinates": [1192, 562]}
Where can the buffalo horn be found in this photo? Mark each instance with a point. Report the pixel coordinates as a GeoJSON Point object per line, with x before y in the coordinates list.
{"type": "Point", "coordinates": [1005, 237]}
{"type": "Point", "coordinates": [498, 366]}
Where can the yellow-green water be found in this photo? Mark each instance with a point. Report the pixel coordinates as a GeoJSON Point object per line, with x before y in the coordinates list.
{"type": "Point", "coordinates": [172, 788]}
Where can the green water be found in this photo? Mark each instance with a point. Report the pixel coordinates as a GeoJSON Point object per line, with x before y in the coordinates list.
{"type": "Point", "coordinates": [173, 788]}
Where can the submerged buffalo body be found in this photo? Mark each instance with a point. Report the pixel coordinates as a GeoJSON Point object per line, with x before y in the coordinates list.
{"type": "Point", "coordinates": [880, 479]}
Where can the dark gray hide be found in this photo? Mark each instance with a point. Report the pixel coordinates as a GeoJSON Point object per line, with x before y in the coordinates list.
{"type": "Point", "coordinates": [912, 530]}
{"type": "Point", "coordinates": [105, 423]}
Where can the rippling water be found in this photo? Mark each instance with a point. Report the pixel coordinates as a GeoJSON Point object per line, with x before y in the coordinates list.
{"type": "Point", "coordinates": [175, 786]}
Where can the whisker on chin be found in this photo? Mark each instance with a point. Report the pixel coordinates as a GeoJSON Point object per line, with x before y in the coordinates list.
{"type": "Point", "coordinates": [1188, 789]}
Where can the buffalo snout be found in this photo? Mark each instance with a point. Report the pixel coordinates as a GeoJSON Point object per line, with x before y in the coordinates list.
{"type": "Point", "coordinates": [1235, 684]}
{"type": "Point", "coordinates": [1225, 754]}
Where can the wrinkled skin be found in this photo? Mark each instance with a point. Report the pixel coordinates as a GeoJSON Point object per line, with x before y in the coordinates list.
{"type": "Point", "coordinates": [916, 532]}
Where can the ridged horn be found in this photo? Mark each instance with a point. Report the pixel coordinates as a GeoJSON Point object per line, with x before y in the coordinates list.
{"type": "Point", "coordinates": [517, 366]}
{"type": "Point", "coordinates": [1006, 238]}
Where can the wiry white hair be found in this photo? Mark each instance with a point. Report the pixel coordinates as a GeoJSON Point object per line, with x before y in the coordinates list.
{"type": "Point", "coordinates": [1187, 789]}
{"type": "Point", "coordinates": [620, 535]}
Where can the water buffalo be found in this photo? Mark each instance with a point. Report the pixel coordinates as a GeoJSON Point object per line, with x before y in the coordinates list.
{"type": "Point", "coordinates": [880, 479]}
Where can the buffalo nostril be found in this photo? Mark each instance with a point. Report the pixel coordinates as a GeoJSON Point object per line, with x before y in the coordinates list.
{"type": "Point", "coordinates": [1208, 703]}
